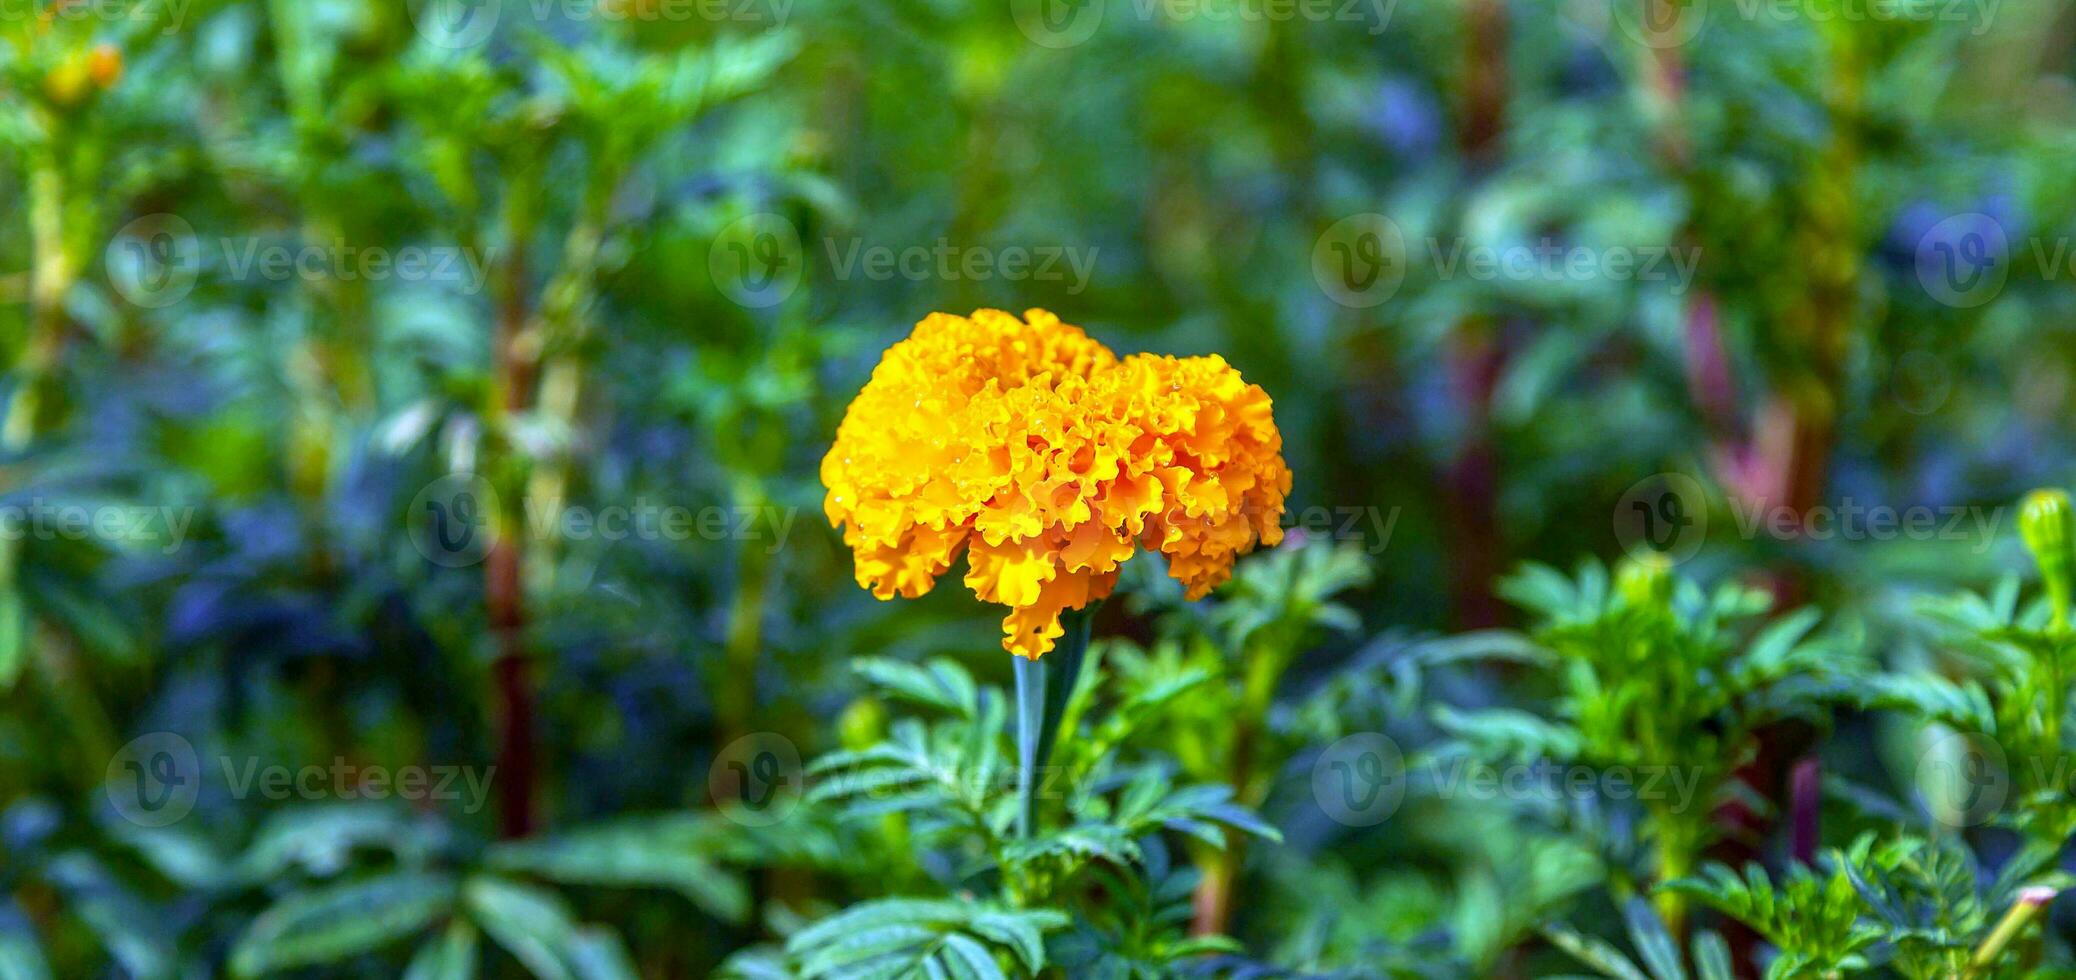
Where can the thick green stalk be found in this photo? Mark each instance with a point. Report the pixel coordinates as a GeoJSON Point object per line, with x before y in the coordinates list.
{"type": "Point", "coordinates": [50, 281]}
{"type": "Point", "coordinates": [1267, 659]}
{"type": "Point", "coordinates": [1042, 689]}
{"type": "Point", "coordinates": [1030, 707]}
{"type": "Point", "coordinates": [1675, 861]}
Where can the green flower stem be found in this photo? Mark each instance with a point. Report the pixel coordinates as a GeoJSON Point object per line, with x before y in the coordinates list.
{"type": "Point", "coordinates": [1267, 658]}
{"type": "Point", "coordinates": [1030, 704]}
{"type": "Point", "coordinates": [1675, 861]}
{"type": "Point", "coordinates": [1042, 689]}
{"type": "Point", "coordinates": [2029, 904]}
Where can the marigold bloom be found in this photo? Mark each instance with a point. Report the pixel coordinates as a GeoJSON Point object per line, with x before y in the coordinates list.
{"type": "Point", "coordinates": [1049, 461]}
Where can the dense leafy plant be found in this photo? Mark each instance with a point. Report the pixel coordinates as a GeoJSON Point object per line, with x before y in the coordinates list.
{"type": "Point", "coordinates": [1921, 907]}
{"type": "Point", "coordinates": [2006, 711]}
{"type": "Point", "coordinates": [1098, 848]}
{"type": "Point", "coordinates": [1658, 678]}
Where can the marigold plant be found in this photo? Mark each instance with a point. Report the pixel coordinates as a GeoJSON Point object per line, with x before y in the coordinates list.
{"type": "Point", "coordinates": [1049, 461]}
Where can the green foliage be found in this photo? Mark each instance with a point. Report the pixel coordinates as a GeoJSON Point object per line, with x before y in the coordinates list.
{"type": "Point", "coordinates": [1655, 676]}
{"type": "Point", "coordinates": [1813, 920]}
{"type": "Point", "coordinates": [592, 167]}
{"type": "Point", "coordinates": [1922, 908]}
{"type": "Point", "coordinates": [2012, 694]}
{"type": "Point", "coordinates": [1655, 946]}
{"type": "Point", "coordinates": [1096, 858]}
{"type": "Point", "coordinates": [338, 922]}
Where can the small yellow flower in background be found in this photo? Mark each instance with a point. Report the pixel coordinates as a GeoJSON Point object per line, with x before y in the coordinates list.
{"type": "Point", "coordinates": [1049, 461]}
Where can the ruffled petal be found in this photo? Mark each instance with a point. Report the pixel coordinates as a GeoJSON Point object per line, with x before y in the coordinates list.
{"type": "Point", "coordinates": [1048, 461]}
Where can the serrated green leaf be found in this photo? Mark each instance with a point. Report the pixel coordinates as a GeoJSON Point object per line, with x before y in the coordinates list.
{"type": "Point", "coordinates": [338, 922]}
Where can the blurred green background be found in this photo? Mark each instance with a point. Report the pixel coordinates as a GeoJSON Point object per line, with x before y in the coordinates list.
{"type": "Point", "coordinates": [289, 287]}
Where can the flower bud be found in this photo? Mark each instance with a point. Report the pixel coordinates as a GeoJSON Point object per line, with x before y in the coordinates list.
{"type": "Point", "coordinates": [1644, 579]}
{"type": "Point", "coordinates": [105, 65]}
{"type": "Point", "coordinates": [863, 723]}
{"type": "Point", "coordinates": [2047, 522]}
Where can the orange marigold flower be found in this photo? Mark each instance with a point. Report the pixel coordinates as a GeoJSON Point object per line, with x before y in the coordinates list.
{"type": "Point", "coordinates": [1049, 461]}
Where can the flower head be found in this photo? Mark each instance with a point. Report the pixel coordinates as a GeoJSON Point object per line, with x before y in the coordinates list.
{"type": "Point", "coordinates": [1048, 461]}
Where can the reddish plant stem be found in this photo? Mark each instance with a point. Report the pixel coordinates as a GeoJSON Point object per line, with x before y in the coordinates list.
{"type": "Point", "coordinates": [1804, 803]}
{"type": "Point", "coordinates": [1472, 477]}
{"type": "Point", "coordinates": [504, 585]}
{"type": "Point", "coordinates": [1485, 79]}
{"type": "Point", "coordinates": [512, 674]}
{"type": "Point", "coordinates": [1476, 358]}
{"type": "Point", "coordinates": [1212, 910]}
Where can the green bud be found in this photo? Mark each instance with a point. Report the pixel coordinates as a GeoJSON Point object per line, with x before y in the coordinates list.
{"type": "Point", "coordinates": [862, 724]}
{"type": "Point", "coordinates": [1644, 579]}
{"type": "Point", "coordinates": [2047, 522]}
